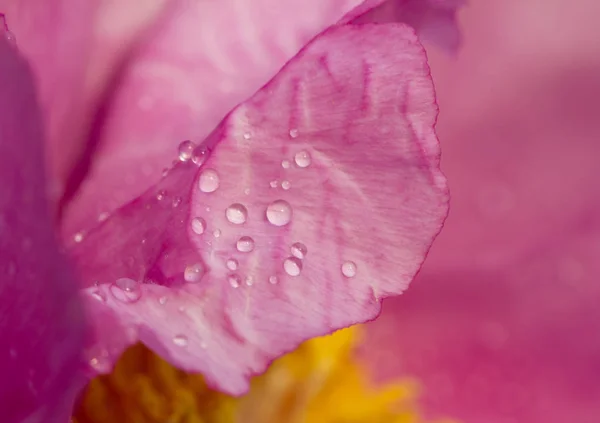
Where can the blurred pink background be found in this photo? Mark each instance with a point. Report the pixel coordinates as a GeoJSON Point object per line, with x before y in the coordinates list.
{"type": "Point", "coordinates": [503, 323]}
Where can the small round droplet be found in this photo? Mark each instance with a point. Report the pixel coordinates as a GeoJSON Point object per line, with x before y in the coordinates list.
{"type": "Point", "coordinates": [292, 266]}
{"type": "Point", "coordinates": [78, 237]}
{"type": "Point", "coordinates": [200, 155]}
{"type": "Point", "coordinates": [247, 135]}
{"type": "Point", "coordinates": [294, 133]}
{"type": "Point", "coordinates": [249, 280]}
{"type": "Point", "coordinates": [162, 300]}
{"type": "Point", "coordinates": [279, 213]}
{"type": "Point", "coordinates": [285, 164]}
{"type": "Point", "coordinates": [247, 191]}
{"type": "Point", "coordinates": [198, 225]}
{"type": "Point", "coordinates": [193, 273]}
{"type": "Point", "coordinates": [180, 340]}
{"type": "Point", "coordinates": [177, 201]}
{"type": "Point", "coordinates": [161, 195]}
{"type": "Point", "coordinates": [232, 264]}
{"type": "Point", "coordinates": [302, 158]}
{"type": "Point", "coordinates": [234, 280]}
{"type": "Point", "coordinates": [186, 150]}
{"type": "Point", "coordinates": [236, 214]}
{"type": "Point", "coordinates": [273, 280]}
{"type": "Point", "coordinates": [286, 185]}
{"type": "Point", "coordinates": [299, 250]}
{"type": "Point", "coordinates": [126, 290]}
{"type": "Point", "coordinates": [349, 269]}
{"type": "Point", "coordinates": [208, 181]}
{"type": "Point", "coordinates": [274, 184]}
{"type": "Point", "coordinates": [217, 233]}
{"type": "Point", "coordinates": [245, 244]}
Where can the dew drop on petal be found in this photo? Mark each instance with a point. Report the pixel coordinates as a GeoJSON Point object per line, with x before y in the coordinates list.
{"type": "Point", "coordinates": [193, 273]}
{"type": "Point", "coordinates": [349, 269]}
{"type": "Point", "coordinates": [273, 280]}
{"type": "Point", "coordinates": [286, 185]}
{"type": "Point", "coordinates": [285, 164]}
{"type": "Point", "coordinates": [299, 250]}
{"type": "Point", "coordinates": [234, 280]}
{"type": "Point", "coordinates": [208, 181]}
{"type": "Point", "coordinates": [274, 184]}
{"type": "Point", "coordinates": [177, 201]}
{"type": "Point", "coordinates": [162, 300]}
{"type": "Point", "coordinates": [200, 155]}
{"type": "Point", "coordinates": [126, 290]}
{"type": "Point", "coordinates": [217, 233]}
{"type": "Point", "coordinates": [161, 195]}
{"type": "Point", "coordinates": [99, 295]}
{"type": "Point", "coordinates": [249, 280]}
{"type": "Point", "coordinates": [186, 149]}
{"type": "Point", "coordinates": [236, 214]}
{"type": "Point", "coordinates": [279, 213]}
{"type": "Point", "coordinates": [180, 340]}
{"type": "Point", "coordinates": [302, 158]}
{"type": "Point", "coordinates": [198, 225]}
{"type": "Point", "coordinates": [247, 135]}
{"type": "Point", "coordinates": [232, 264]}
{"type": "Point", "coordinates": [245, 244]}
{"type": "Point", "coordinates": [292, 266]}
{"type": "Point", "coordinates": [78, 237]}
{"type": "Point", "coordinates": [294, 133]}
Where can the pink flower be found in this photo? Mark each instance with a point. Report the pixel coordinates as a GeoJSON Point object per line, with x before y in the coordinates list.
{"type": "Point", "coordinates": [503, 322]}
{"type": "Point", "coordinates": [294, 209]}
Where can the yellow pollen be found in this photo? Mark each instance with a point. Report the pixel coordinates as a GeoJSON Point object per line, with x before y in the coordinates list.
{"type": "Point", "coordinates": [320, 382]}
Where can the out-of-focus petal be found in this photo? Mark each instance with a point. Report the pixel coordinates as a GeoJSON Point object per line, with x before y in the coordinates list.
{"type": "Point", "coordinates": [502, 323]}
{"type": "Point", "coordinates": [367, 192]}
{"type": "Point", "coordinates": [203, 59]}
{"type": "Point", "coordinates": [76, 50]}
{"type": "Point", "coordinates": [40, 319]}
{"type": "Point", "coordinates": [434, 20]}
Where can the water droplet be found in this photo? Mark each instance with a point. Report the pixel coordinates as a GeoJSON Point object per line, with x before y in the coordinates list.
{"type": "Point", "coordinates": [274, 184]}
{"type": "Point", "coordinates": [302, 158]}
{"type": "Point", "coordinates": [285, 164]}
{"type": "Point", "coordinates": [180, 340]}
{"type": "Point", "coordinates": [293, 132]}
{"type": "Point", "coordinates": [299, 250]}
{"type": "Point", "coordinates": [99, 295]}
{"type": "Point", "coordinates": [234, 281]}
{"type": "Point", "coordinates": [273, 280]}
{"type": "Point", "coordinates": [186, 150]}
{"type": "Point", "coordinates": [245, 244]}
{"type": "Point", "coordinates": [232, 264]}
{"type": "Point", "coordinates": [161, 195]}
{"type": "Point", "coordinates": [292, 266]}
{"type": "Point", "coordinates": [349, 269]}
{"type": "Point", "coordinates": [286, 185]}
{"type": "Point", "coordinates": [200, 155]}
{"type": "Point", "coordinates": [208, 181]}
{"type": "Point", "coordinates": [126, 290]}
{"type": "Point", "coordinates": [249, 280]}
{"type": "Point", "coordinates": [162, 300]}
{"type": "Point", "coordinates": [217, 233]}
{"type": "Point", "coordinates": [247, 191]}
{"type": "Point", "coordinates": [9, 36]}
{"type": "Point", "coordinates": [198, 225]}
{"type": "Point", "coordinates": [236, 213]}
{"type": "Point", "coordinates": [177, 201]}
{"type": "Point", "coordinates": [78, 237]}
{"type": "Point", "coordinates": [279, 213]}
{"type": "Point", "coordinates": [193, 273]}
{"type": "Point", "coordinates": [247, 135]}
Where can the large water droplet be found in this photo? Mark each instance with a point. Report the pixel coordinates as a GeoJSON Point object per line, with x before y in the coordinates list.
{"type": "Point", "coordinates": [273, 280]}
{"type": "Point", "coordinates": [126, 290]}
{"type": "Point", "coordinates": [186, 150]}
{"type": "Point", "coordinates": [209, 180]}
{"type": "Point", "coordinates": [234, 280]}
{"type": "Point", "coordinates": [198, 225]}
{"type": "Point", "coordinates": [349, 269]}
{"type": "Point", "coordinates": [245, 244]}
{"type": "Point", "coordinates": [236, 213]}
{"type": "Point", "coordinates": [292, 266]}
{"type": "Point", "coordinates": [200, 155]}
{"type": "Point", "coordinates": [299, 250]}
{"type": "Point", "coordinates": [193, 273]}
{"type": "Point", "coordinates": [302, 158]}
{"type": "Point", "coordinates": [232, 264]}
{"type": "Point", "coordinates": [180, 340]}
{"type": "Point", "coordinates": [279, 213]}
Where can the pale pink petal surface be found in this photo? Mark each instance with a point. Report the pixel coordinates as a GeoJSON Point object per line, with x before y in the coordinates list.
{"type": "Point", "coordinates": [503, 323]}
{"type": "Point", "coordinates": [40, 320]}
{"type": "Point", "coordinates": [357, 164]}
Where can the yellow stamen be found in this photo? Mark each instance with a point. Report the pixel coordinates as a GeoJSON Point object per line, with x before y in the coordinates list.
{"type": "Point", "coordinates": [320, 382]}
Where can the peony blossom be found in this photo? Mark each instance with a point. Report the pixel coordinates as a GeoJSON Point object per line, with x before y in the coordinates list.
{"type": "Point", "coordinates": [503, 323]}
{"type": "Point", "coordinates": [224, 185]}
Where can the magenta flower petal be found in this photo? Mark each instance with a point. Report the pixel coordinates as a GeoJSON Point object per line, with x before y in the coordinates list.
{"type": "Point", "coordinates": [40, 317]}
{"type": "Point", "coordinates": [338, 153]}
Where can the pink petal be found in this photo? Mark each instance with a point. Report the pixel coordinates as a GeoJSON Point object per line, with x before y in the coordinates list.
{"type": "Point", "coordinates": [360, 101]}
{"type": "Point", "coordinates": [40, 319]}
{"type": "Point", "coordinates": [203, 59]}
{"type": "Point", "coordinates": [504, 323]}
